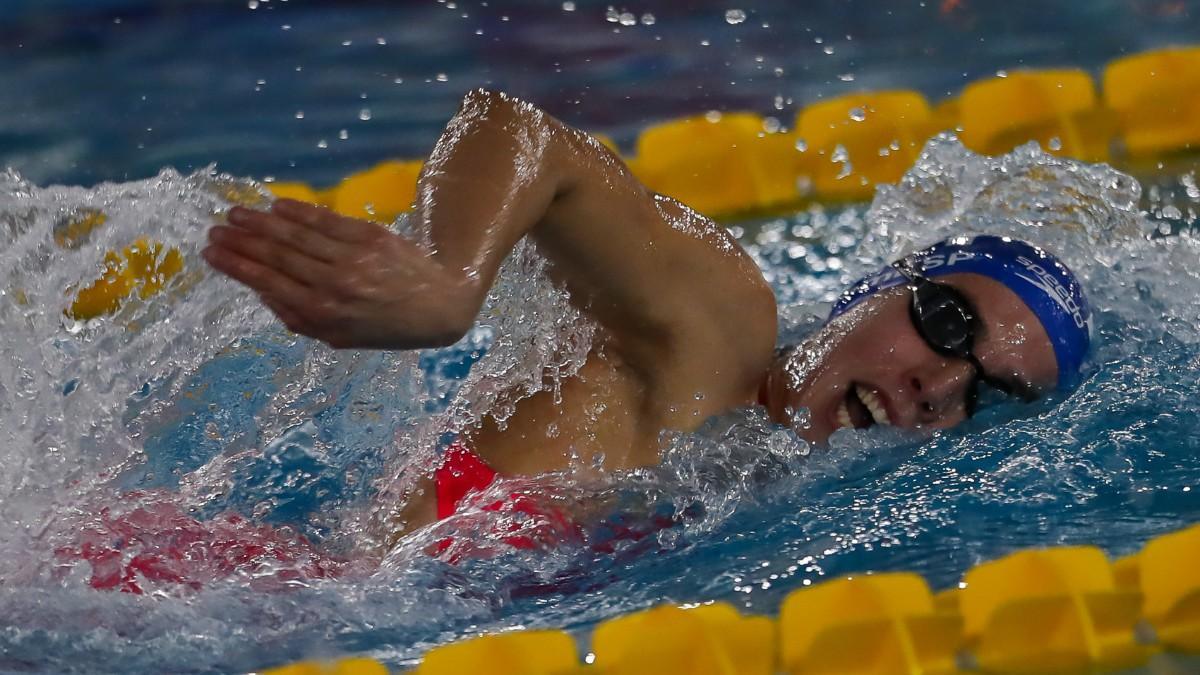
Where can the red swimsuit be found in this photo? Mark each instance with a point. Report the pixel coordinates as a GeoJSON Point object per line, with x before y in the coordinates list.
{"type": "Point", "coordinates": [463, 473]}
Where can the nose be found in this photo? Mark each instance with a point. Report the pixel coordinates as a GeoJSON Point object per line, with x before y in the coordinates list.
{"type": "Point", "coordinates": [940, 388]}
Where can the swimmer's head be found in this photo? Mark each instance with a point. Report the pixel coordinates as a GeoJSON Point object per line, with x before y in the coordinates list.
{"type": "Point", "coordinates": [917, 344]}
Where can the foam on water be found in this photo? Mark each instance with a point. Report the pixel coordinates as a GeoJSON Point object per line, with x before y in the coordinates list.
{"type": "Point", "coordinates": [183, 410]}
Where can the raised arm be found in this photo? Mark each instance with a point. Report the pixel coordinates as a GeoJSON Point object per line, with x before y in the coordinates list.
{"type": "Point", "coordinates": [648, 268]}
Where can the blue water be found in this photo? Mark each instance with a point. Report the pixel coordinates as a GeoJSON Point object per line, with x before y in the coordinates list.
{"type": "Point", "coordinates": [117, 89]}
{"type": "Point", "coordinates": [200, 394]}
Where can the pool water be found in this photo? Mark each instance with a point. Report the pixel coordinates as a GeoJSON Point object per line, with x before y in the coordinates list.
{"type": "Point", "coordinates": [195, 412]}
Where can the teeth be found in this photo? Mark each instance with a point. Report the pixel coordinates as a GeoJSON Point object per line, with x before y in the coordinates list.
{"type": "Point", "coordinates": [843, 415]}
{"type": "Point", "coordinates": [873, 404]}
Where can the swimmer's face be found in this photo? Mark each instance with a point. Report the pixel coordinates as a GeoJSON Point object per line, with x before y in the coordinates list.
{"type": "Point", "coordinates": [870, 365]}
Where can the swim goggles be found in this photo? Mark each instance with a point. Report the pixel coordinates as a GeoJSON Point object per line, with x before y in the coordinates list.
{"type": "Point", "coordinates": [948, 323]}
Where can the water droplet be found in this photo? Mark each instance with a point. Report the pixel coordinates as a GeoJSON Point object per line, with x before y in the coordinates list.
{"type": "Point", "coordinates": [441, 77]}
{"type": "Point", "coordinates": [778, 71]}
{"type": "Point", "coordinates": [380, 41]}
{"type": "Point", "coordinates": [347, 43]}
{"type": "Point", "coordinates": [801, 145]}
{"type": "Point", "coordinates": [627, 19]}
{"type": "Point", "coordinates": [734, 16]}
{"type": "Point", "coordinates": [568, 6]}
{"type": "Point", "coordinates": [840, 155]}
{"type": "Point", "coordinates": [804, 185]}
{"type": "Point", "coordinates": [322, 144]}
{"type": "Point", "coordinates": [1001, 73]}
{"type": "Point", "coordinates": [299, 114]}
{"type": "Point", "coordinates": [858, 115]}
{"type": "Point", "coordinates": [713, 116]}
{"type": "Point", "coordinates": [1055, 143]}
{"type": "Point", "coordinates": [364, 114]}
{"type": "Point", "coordinates": [846, 77]}
{"type": "Point", "coordinates": [252, 4]}
{"type": "Point", "coordinates": [648, 19]}
{"type": "Point", "coordinates": [704, 43]}
{"type": "Point", "coordinates": [343, 134]}
{"type": "Point", "coordinates": [828, 49]}
{"type": "Point", "coordinates": [611, 15]}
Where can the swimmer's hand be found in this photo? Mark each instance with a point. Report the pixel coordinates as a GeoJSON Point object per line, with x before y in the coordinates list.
{"type": "Point", "coordinates": [347, 282]}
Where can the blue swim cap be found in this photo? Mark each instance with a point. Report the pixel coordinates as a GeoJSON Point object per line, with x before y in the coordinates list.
{"type": "Point", "coordinates": [1041, 280]}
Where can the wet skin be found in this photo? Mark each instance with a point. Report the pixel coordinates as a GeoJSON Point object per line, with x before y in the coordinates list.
{"type": "Point", "coordinates": [875, 352]}
{"type": "Point", "coordinates": [687, 324]}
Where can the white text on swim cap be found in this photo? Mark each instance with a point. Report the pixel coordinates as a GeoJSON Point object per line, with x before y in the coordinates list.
{"type": "Point", "coordinates": [1054, 289]}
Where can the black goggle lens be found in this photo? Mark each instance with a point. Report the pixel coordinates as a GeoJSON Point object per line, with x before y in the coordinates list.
{"type": "Point", "coordinates": [944, 318]}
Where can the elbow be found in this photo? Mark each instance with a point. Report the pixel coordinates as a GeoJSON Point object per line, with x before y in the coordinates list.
{"type": "Point", "coordinates": [488, 102]}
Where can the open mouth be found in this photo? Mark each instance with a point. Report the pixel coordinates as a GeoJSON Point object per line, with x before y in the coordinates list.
{"type": "Point", "coordinates": [861, 408]}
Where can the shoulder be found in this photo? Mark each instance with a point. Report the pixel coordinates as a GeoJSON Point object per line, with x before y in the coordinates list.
{"type": "Point", "coordinates": [723, 340]}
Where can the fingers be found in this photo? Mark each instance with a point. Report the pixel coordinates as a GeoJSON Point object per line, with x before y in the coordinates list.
{"type": "Point", "coordinates": [290, 318]}
{"type": "Point", "coordinates": [262, 278]}
{"type": "Point", "coordinates": [329, 223]}
{"type": "Point", "coordinates": [310, 241]}
{"type": "Point", "coordinates": [270, 253]}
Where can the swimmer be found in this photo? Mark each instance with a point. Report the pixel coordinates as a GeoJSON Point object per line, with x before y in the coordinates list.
{"type": "Point", "coordinates": [687, 323]}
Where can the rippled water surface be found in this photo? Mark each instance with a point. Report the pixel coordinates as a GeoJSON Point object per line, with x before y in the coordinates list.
{"type": "Point", "coordinates": [227, 475]}
{"type": "Point", "coordinates": [191, 419]}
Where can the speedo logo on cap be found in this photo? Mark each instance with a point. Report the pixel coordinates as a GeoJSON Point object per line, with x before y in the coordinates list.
{"type": "Point", "coordinates": [936, 260]}
{"type": "Point", "coordinates": [1052, 287]}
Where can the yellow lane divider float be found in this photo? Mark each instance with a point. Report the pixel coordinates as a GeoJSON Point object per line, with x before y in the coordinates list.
{"type": "Point", "coordinates": [730, 164]}
{"type": "Point", "coordinates": [1058, 610]}
{"type": "Point", "coordinates": [734, 164]}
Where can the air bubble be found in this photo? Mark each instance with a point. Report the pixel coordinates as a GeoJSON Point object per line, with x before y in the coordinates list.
{"type": "Point", "coordinates": [734, 16]}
